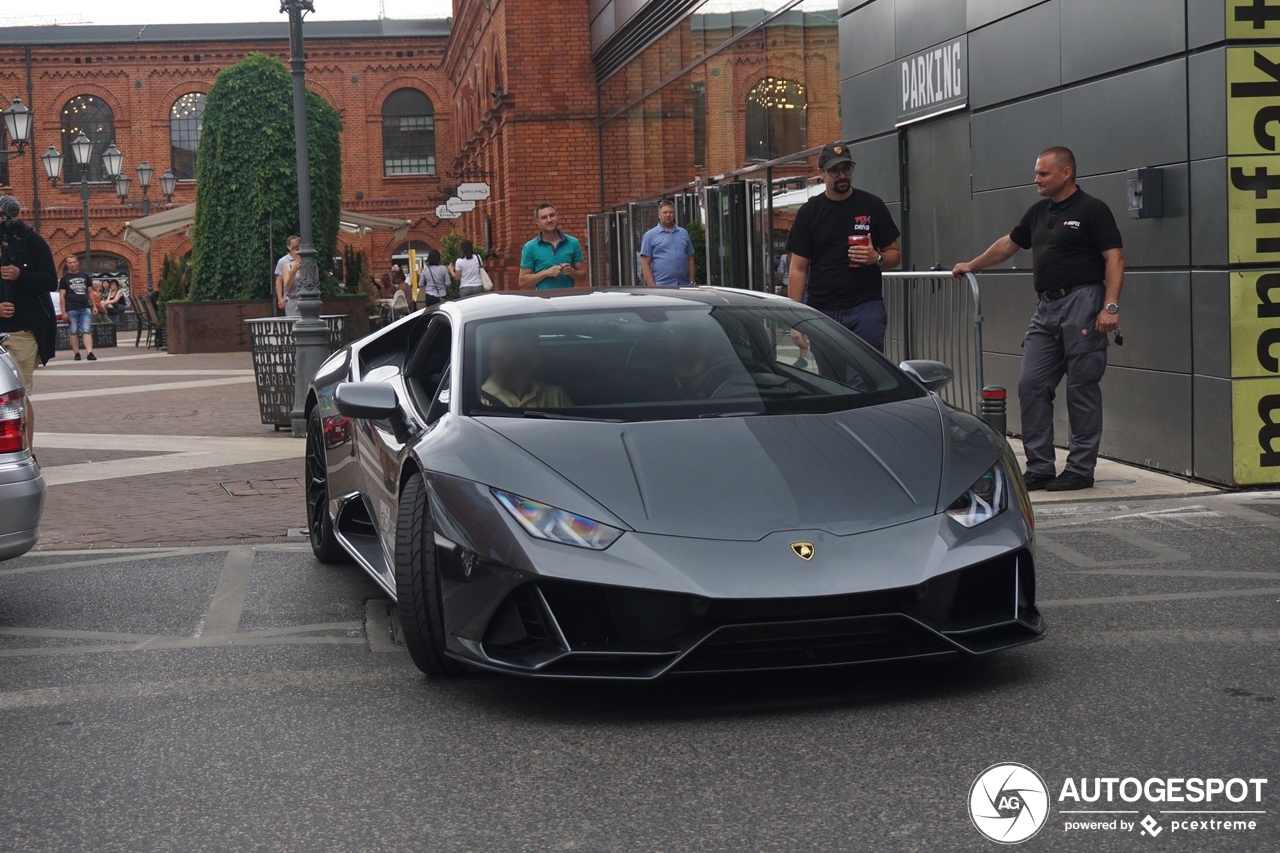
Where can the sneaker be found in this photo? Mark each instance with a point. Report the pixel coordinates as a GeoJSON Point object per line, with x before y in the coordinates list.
{"type": "Point", "coordinates": [77, 357]}
{"type": "Point", "coordinates": [1036, 481]}
{"type": "Point", "coordinates": [91, 357]}
{"type": "Point", "coordinates": [1070, 481]}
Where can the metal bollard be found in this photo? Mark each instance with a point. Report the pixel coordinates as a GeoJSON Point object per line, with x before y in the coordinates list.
{"type": "Point", "coordinates": [994, 404]}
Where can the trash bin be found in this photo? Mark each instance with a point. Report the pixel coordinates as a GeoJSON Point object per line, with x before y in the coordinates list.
{"type": "Point", "coordinates": [274, 361]}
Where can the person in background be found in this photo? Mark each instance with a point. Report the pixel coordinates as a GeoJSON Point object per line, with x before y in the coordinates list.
{"type": "Point", "coordinates": [666, 251]}
{"type": "Point", "coordinates": [401, 297]}
{"type": "Point", "coordinates": [841, 240]}
{"type": "Point", "coordinates": [286, 301]}
{"type": "Point", "coordinates": [77, 296]}
{"type": "Point", "coordinates": [27, 277]}
{"type": "Point", "coordinates": [433, 284]}
{"type": "Point", "coordinates": [551, 259]}
{"type": "Point", "coordinates": [466, 269]}
{"type": "Point", "coordinates": [114, 301]}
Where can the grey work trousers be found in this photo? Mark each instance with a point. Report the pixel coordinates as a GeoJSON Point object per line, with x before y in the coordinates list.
{"type": "Point", "coordinates": [1062, 340]}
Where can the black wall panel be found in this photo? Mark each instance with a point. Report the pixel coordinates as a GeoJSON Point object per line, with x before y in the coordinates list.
{"type": "Point", "coordinates": [1211, 323]}
{"type": "Point", "coordinates": [1015, 57]}
{"type": "Point", "coordinates": [1206, 22]}
{"type": "Point", "coordinates": [1008, 301]}
{"type": "Point", "coordinates": [1163, 242]}
{"type": "Point", "coordinates": [866, 38]}
{"type": "Point", "coordinates": [1155, 317]}
{"type": "Point", "coordinates": [923, 23]}
{"type": "Point", "coordinates": [1128, 120]}
{"type": "Point", "coordinates": [1146, 418]}
{"type": "Point", "coordinates": [1007, 140]}
{"type": "Point", "coordinates": [877, 169]}
{"type": "Point", "coordinates": [940, 206]}
{"type": "Point", "coordinates": [994, 215]}
{"type": "Point", "coordinates": [979, 13]}
{"type": "Point", "coordinates": [1206, 99]}
{"type": "Point", "coordinates": [1211, 429]}
{"type": "Point", "coordinates": [868, 102]}
{"type": "Point", "coordinates": [1209, 212]}
{"type": "Point", "coordinates": [1104, 35]}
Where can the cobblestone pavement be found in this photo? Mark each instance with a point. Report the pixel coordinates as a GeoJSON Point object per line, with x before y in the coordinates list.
{"type": "Point", "coordinates": [151, 449]}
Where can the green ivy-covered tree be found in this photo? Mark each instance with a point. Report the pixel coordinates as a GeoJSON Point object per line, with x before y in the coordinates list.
{"type": "Point", "coordinates": [247, 180]}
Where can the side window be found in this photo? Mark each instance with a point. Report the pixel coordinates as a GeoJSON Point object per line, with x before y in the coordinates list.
{"type": "Point", "coordinates": [427, 372]}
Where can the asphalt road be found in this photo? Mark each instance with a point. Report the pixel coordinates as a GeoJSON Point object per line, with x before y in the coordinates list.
{"type": "Point", "coordinates": [252, 699]}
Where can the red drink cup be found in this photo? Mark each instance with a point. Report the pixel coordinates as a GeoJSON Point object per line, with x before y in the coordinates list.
{"type": "Point", "coordinates": [858, 240]}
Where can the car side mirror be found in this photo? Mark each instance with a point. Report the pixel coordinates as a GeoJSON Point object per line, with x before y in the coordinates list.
{"type": "Point", "coordinates": [369, 401]}
{"type": "Point", "coordinates": [933, 375]}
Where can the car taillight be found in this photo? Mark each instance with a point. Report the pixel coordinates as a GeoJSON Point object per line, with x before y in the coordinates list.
{"type": "Point", "coordinates": [13, 422]}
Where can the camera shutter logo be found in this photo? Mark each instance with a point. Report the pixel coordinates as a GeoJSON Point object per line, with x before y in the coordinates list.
{"type": "Point", "coordinates": [1008, 803]}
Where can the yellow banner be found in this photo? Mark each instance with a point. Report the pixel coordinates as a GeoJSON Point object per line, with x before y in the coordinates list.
{"type": "Point", "coordinates": [1253, 209]}
{"type": "Point", "coordinates": [1253, 100]}
{"type": "Point", "coordinates": [1253, 19]}
{"type": "Point", "coordinates": [1255, 420]}
{"type": "Point", "coordinates": [1255, 323]}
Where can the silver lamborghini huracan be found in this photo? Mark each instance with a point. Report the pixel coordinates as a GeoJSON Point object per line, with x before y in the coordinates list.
{"type": "Point", "coordinates": [629, 484]}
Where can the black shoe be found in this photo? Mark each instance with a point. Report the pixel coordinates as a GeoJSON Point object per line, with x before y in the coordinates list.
{"type": "Point", "coordinates": [1036, 481]}
{"type": "Point", "coordinates": [91, 357]}
{"type": "Point", "coordinates": [77, 357]}
{"type": "Point", "coordinates": [1070, 481]}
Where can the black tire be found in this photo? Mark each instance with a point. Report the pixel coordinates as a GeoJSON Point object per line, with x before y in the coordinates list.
{"type": "Point", "coordinates": [319, 526]}
{"type": "Point", "coordinates": [418, 586]}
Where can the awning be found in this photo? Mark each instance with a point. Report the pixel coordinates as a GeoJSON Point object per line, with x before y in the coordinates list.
{"type": "Point", "coordinates": [140, 232]}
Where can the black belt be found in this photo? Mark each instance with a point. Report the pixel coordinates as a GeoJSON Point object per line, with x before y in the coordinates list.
{"type": "Point", "coordinates": [1050, 295]}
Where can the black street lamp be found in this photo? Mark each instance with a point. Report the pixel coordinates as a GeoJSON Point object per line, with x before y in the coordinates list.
{"type": "Point", "coordinates": [82, 150]}
{"type": "Point", "coordinates": [17, 121]}
{"type": "Point", "coordinates": [310, 334]}
{"type": "Point", "coordinates": [168, 183]}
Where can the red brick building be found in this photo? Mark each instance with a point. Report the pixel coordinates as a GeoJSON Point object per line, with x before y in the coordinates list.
{"type": "Point", "coordinates": [147, 82]}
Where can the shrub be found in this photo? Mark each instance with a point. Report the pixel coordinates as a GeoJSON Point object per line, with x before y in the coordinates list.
{"type": "Point", "coordinates": [173, 284]}
{"type": "Point", "coordinates": [698, 236]}
{"type": "Point", "coordinates": [247, 180]}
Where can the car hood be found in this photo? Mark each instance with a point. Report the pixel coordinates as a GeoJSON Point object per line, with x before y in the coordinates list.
{"type": "Point", "coordinates": [744, 478]}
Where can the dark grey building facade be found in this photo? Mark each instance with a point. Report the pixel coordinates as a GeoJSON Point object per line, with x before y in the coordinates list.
{"type": "Point", "coordinates": [1126, 85]}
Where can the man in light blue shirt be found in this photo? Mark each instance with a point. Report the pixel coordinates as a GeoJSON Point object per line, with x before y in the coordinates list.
{"type": "Point", "coordinates": [666, 252]}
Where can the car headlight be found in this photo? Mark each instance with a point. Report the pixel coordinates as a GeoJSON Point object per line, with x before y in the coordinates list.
{"type": "Point", "coordinates": [984, 500]}
{"type": "Point", "coordinates": [557, 525]}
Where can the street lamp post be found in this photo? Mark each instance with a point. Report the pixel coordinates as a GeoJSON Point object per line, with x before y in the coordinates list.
{"type": "Point", "coordinates": [168, 183]}
{"type": "Point", "coordinates": [82, 150]}
{"type": "Point", "coordinates": [310, 334]}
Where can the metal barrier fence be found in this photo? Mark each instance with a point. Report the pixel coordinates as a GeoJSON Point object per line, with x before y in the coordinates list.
{"type": "Point", "coordinates": [935, 316]}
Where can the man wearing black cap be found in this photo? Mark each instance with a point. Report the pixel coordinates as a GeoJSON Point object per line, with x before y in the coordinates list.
{"type": "Point", "coordinates": [839, 243]}
{"type": "Point", "coordinates": [27, 277]}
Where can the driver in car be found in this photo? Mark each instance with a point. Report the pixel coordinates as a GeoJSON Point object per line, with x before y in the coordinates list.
{"type": "Point", "coordinates": [691, 362]}
{"type": "Point", "coordinates": [513, 357]}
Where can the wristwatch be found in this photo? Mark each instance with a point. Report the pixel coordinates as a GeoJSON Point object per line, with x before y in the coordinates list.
{"type": "Point", "coordinates": [879, 257]}
{"type": "Point", "coordinates": [1111, 308]}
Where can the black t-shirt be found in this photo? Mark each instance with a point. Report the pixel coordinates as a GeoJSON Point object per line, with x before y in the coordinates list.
{"type": "Point", "coordinates": [821, 234]}
{"type": "Point", "coordinates": [77, 289]}
{"type": "Point", "coordinates": [1067, 240]}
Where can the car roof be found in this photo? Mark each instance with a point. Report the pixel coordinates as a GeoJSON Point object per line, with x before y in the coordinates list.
{"type": "Point", "coordinates": [510, 303]}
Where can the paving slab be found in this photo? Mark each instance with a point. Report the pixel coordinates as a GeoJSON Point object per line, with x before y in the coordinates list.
{"type": "Point", "coordinates": [1119, 481]}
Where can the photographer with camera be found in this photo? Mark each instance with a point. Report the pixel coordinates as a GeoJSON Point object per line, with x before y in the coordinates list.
{"type": "Point", "coordinates": [27, 277]}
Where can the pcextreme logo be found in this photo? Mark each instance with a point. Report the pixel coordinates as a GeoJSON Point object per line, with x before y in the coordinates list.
{"type": "Point", "coordinates": [1009, 803]}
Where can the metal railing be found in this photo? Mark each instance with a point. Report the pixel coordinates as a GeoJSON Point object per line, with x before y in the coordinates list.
{"type": "Point", "coordinates": [935, 316]}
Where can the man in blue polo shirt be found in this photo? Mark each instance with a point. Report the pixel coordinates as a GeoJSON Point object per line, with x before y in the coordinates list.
{"type": "Point", "coordinates": [666, 252]}
{"type": "Point", "coordinates": [553, 258]}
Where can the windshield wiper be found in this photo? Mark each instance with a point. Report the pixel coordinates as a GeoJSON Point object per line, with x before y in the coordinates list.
{"type": "Point", "coordinates": [731, 414]}
{"type": "Point", "coordinates": [551, 416]}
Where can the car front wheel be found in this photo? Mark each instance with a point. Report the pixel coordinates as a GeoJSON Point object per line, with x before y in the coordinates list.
{"type": "Point", "coordinates": [418, 584]}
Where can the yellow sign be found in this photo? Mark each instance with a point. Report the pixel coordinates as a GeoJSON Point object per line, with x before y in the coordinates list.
{"type": "Point", "coordinates": [1253, 99]}
{"type": "Point", "coordinates": [1255, 323]}
{"type": "Point", "coordinates": [1253, 19]}
{"type": "Point", "coordinates": [1255, 419]}
{"type": "Point", "coordinates": [1253, 209]}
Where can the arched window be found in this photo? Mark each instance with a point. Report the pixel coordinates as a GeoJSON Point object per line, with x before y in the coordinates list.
{"type": "Point", "coordinates": [92, 116]}
{"type": "Point", "coordinates": [776, 124]}
{"type": "Point", "coordinates": [408, 134]}
{"type": "Point", "coordinates": [184, 133]}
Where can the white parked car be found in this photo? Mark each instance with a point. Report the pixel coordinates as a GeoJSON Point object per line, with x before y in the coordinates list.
{"type": "Point", "coordinates": [21, 484]}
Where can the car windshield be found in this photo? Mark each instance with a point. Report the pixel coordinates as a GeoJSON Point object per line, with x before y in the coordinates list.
{"type": "Point", "coordinates": [671, 363]}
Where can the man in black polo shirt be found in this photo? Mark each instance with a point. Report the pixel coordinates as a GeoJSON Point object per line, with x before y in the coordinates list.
{"type": "Point", "coordinates": [1078, 269]}
{"type": "Point", "coordinates": [839, 243]}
